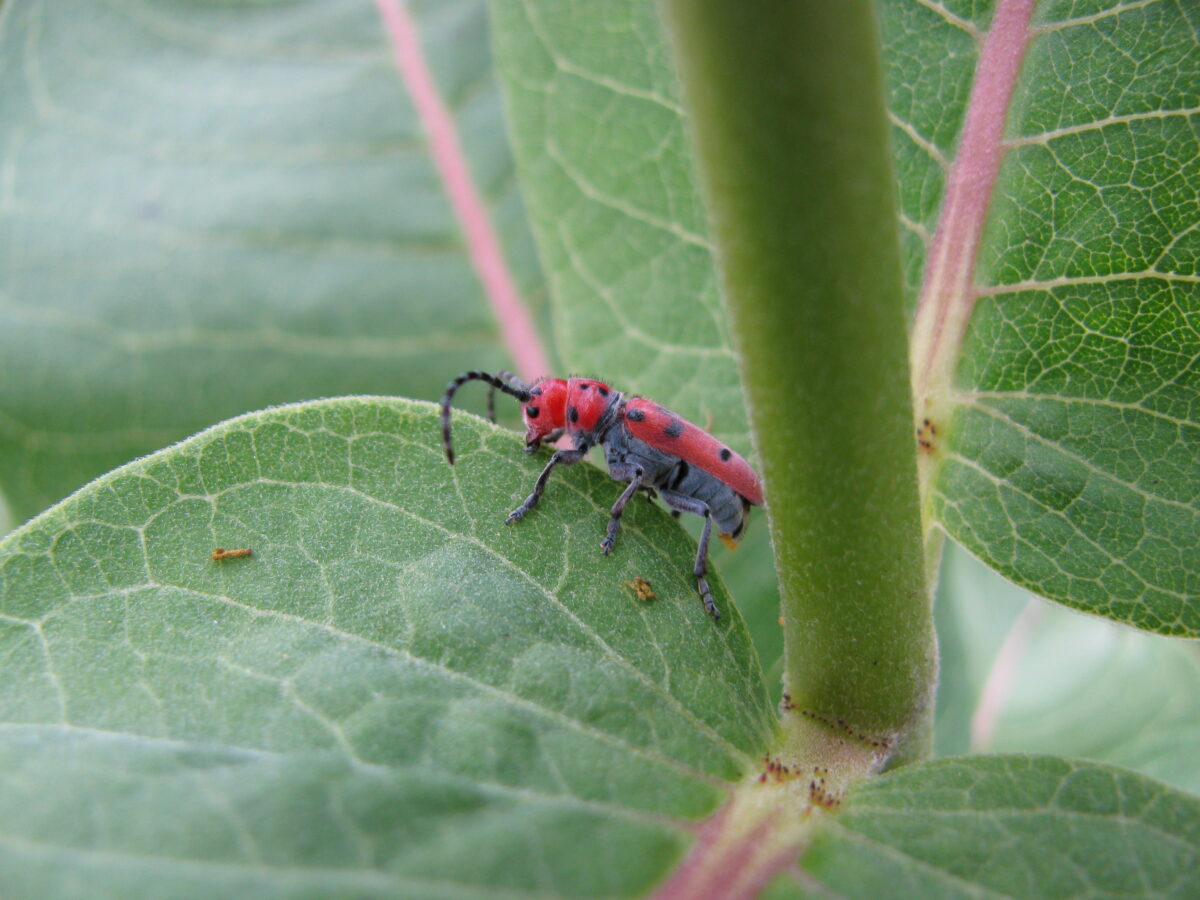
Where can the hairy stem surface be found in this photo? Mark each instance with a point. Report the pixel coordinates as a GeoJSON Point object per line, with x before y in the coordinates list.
{"type": "Point", "coordinates": [788, 114]}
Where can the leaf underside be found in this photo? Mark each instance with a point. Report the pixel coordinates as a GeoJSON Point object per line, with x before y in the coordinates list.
{"type": "Point", "coordinates": [1070, 463]}
{"type": "Point", "coordinates": [355, 709]}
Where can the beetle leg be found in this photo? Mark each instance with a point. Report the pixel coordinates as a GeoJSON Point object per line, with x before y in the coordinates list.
{"type": "Point", "coordinates": [550, 438]}
{"type": "Point", "coordinates": [614, 521]}
{"type": "Point", "coordinates": [563, 457]}
{"type": "Point", "coordinates": [683, 503]}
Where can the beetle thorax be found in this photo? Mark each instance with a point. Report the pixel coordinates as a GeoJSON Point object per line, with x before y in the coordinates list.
{"type": "Point", "coordinates": [591, 408]}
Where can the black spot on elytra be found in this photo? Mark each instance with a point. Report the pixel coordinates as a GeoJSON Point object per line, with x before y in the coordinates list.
{"type": "Point", "coordinates": [573, 414]}
{"type": "Point", "coordinates": [584, 387]}
{"type": "Point", "coordinates": [726, 453]}
{"type": "Point", "coordinates": [635, 415]}
{"type": "Point", "coordinates": [674, 429]}
{"type": "Point", "coordinates": [531, 412]}
{"type": "Point", "coordinates": [603, 391]}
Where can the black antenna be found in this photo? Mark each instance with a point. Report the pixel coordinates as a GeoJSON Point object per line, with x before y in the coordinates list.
{"type": "Point", "coordinates": [504, 381]}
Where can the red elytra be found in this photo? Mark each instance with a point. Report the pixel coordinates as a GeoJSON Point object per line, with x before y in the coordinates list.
{"type": "Point", "coordinates": [674, 434]}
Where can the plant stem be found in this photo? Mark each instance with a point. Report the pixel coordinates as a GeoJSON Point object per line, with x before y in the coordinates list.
{"type": "Point", "coordinates": [786, 100]}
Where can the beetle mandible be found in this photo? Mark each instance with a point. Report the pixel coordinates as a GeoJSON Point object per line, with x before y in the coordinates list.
{"type": "Point", "coordinates": [646, 446]}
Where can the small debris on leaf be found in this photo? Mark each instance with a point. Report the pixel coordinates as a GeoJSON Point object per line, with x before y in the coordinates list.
{"type": "Point", "coordinates": [642, 588]}
{"type": "Point", "coordinates": [221, 553]}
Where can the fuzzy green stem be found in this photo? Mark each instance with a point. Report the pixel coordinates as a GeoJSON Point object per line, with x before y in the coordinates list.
{"type": "Point", "coordinates": [786, 100]}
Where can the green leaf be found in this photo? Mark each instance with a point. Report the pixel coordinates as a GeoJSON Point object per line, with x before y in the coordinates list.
{"type": "Point", "coordinates": [428, 690]}
{"type": "Point", "coordinates": [212, 208]}
{"type": "Point", "coordinates": [1068, 462]}
{"type": "Point", "coordinates": [1037, 678]}
{"type": "Point", "coordinates": [599, 135]}
{"type": "Point", "coordinates": [1018, 826]}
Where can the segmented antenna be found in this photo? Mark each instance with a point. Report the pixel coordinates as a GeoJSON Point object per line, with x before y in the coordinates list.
{"type": "Point", "coordinates": [491, 398]}
{"type": "Point", "coordinates": [505, 382]}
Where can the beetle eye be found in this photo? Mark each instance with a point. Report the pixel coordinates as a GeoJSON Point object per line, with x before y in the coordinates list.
{"type": "Point", "coordinates": [531, 412]}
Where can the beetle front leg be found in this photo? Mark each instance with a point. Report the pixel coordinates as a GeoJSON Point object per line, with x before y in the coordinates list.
{"type": "Point", "coordinates": [614, 521]}
{"type": "Point", "coordinates": [563, 457]}
{"type": "Point", "coordinates": [535, 446]}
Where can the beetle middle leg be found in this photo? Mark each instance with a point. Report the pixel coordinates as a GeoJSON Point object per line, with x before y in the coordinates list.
{"type": "Point", "coordinates": [683, 503]}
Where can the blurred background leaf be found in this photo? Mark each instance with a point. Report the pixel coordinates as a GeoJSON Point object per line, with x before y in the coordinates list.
{"type": "Point", "coordinates": [208, 209]}
{"type": "Point", "coordinates": [1020, 674]}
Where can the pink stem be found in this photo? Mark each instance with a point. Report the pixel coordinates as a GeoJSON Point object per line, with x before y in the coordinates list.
{"type": "Point", "coordinates": [729, 862]}
{"type": "Point", "coordinates": [516, 324]}
{"type": "Point", "coordinates": [948, 293]}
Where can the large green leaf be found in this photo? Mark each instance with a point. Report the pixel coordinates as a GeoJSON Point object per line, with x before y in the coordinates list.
{"type": "Point", "coordinates": [1028, 827]}
{"type": "Point", "coordinates": [396, 694]}
{"type": "Point", "coordinates": [209, 208]}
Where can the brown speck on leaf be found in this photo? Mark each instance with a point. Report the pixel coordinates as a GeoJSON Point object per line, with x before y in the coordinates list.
{"type": "Point", "coordinates": [642, 588]}
{"type": "Point", "coordinates": [221, 553]}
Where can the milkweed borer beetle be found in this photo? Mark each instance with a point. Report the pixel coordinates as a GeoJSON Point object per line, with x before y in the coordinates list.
{"type": "Point", "coordinates": [646, 446]}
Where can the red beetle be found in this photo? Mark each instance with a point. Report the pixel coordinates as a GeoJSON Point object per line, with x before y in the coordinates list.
{"type": "Point", "coordinates": [650, 448]}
